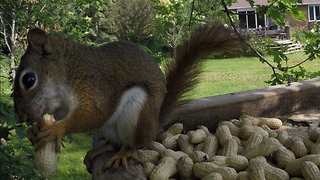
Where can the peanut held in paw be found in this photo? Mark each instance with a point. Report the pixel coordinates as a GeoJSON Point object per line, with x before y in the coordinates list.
{"type": "Point", "coordinates": [46, 158]}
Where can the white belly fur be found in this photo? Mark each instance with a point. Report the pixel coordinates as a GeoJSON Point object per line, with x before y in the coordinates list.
{"type": "Point", "coordinates": [120, 128]}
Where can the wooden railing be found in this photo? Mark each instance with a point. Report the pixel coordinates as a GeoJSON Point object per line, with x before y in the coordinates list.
{"type": "Point", "coordinates": [263, 33]}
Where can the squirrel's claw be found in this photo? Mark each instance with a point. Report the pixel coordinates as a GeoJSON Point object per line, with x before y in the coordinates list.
{"type": "Point", "coordinates": [120, 158]}
{"type": "Point", "coordinates": [32, 133]}
{"type": "Point", "coordinates": [95, 152]}
{"type": "Point", "coordinates": [40, 136]}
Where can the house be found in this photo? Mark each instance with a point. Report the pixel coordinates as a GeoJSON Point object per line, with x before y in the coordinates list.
{"type": "Point", "coordinates": [249, 19]}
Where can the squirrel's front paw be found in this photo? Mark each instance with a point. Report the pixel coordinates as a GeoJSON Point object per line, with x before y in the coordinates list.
{"type": "Point", "coordinates": [41, 135]}
{"type": "Point", "coordinates": [32, 133]}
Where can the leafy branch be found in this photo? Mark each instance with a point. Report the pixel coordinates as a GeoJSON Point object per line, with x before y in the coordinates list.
{"type": "Point", "coordinates": [313, 52]}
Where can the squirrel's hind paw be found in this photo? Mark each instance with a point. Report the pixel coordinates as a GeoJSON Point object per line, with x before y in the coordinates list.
{"type": "Point", "coordinates": [121, 157]}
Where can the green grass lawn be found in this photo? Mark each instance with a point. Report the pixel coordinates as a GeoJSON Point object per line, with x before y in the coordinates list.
{"type": "Point", "coordinates": [225, 76]}
{"type": "Point", "coordinates": [219, 77]}
{"type": "Point", "coordinates": [70, 160]}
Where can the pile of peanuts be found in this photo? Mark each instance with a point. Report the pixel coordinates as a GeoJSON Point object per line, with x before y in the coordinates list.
{"type": "Point", "coordinates": [249, 148]}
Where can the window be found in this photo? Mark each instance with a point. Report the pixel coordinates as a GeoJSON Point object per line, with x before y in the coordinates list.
{"type": "Point", "coordinates": [314, 13]}
{"type": "Point", "coordinates": [250, 19]}
{"type": "Point", "coordinates": [243, 20]}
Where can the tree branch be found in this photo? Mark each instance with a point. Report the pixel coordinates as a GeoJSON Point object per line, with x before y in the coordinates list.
{"type": "Point", "coordinates": [262, 59]}
{"type": "Point", "coordinates": [5, 34]}
{"type": "Point", "coordinates": [190, 19]}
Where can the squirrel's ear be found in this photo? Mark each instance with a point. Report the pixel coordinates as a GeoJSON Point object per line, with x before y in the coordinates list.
{"type": "Point", "coordinates": [42, 42]}
{"type": "Point", "coordinates": [37, 38]}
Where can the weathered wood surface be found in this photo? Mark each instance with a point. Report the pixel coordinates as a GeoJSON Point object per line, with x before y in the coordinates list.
{"type": "Point", "coordinates": [268, 102]}
{"type": "Point", "coordinates": [133, 171]}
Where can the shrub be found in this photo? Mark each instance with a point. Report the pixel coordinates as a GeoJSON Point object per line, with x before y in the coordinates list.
{"type": "Point", "coordinates": [16, 157]}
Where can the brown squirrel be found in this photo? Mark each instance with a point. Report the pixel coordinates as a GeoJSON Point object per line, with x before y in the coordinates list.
{"type": "Point", "coordinates": [116, 89]}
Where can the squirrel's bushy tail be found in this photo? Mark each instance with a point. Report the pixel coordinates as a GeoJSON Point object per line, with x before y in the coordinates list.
{"type": "Point", "coordinates": [182, 72]}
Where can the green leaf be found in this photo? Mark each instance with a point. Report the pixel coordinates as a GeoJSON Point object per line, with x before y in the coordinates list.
{"type": "Point", "coordinates": [251, 2]}
{"type": "Point", "coordinates": [297, 14]}
{"type": "Point", "coordinates": [21, 131]}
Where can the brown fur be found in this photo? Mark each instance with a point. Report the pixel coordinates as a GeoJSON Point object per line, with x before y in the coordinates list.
{"type": "Point", "coordinates": [82, 86]}
{"type": "Point", "coordinates": [182, 73]}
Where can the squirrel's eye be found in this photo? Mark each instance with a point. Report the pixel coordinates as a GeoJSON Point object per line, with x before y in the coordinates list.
{"type": "Point", "coordinates": [28, 80]}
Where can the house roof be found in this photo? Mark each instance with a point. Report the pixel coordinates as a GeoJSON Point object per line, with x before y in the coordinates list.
{"type": "Point", "coordinates": [242, 4]}
{"type": "Point", "coordinates": [306, 2]}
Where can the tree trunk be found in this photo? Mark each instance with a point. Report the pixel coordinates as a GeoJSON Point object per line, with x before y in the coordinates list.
{"type": "Point", "coordinates": [10, 41]}
{"type": "Point", "coordinates": [12, 52]}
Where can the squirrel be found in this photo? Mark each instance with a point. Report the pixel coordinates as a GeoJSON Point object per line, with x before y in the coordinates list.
{"type": "Point", "coordinates": [116, 89]}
